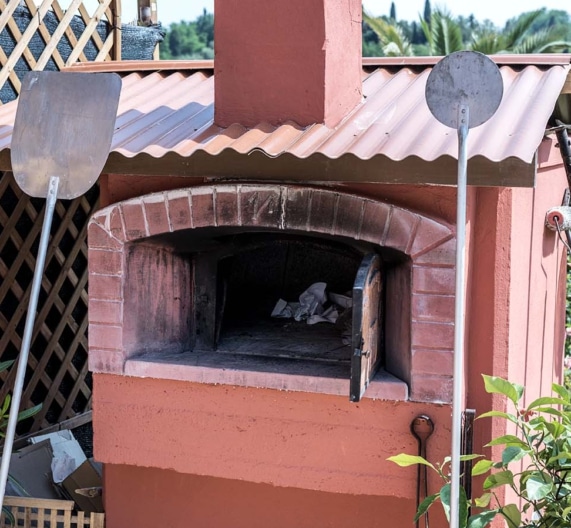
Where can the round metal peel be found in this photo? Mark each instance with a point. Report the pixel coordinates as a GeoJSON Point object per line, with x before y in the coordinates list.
{"type": "Point", "coordinates": [465, 78]}
{"type": "Point", "coordinates": [463, 91]}
{"type": "Point", "coordinates": [61, 139]}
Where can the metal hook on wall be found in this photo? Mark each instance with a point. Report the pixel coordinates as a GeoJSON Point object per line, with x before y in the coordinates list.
{"type": "Point", "coordinates": [422, 428]}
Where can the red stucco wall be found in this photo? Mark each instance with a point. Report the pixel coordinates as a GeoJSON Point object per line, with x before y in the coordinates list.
{"type": "Point", "coordinates": [318, 451]}
{"type": "Point", "coordinates": [516, 294]}
{"type": "Point", "coordinates": [215, 503]}
{"type": "Point", "coordinates": [259, 457]}
{"type": "Point", "coordinates": [288, 439]}
{"type": "Point", "coordinates": [311, 68]}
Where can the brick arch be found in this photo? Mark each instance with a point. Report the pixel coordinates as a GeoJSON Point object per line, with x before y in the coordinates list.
{"type": "Point", "coordinates": [276, 207]}
{"type": "Point", "coordinates": [428, 243]}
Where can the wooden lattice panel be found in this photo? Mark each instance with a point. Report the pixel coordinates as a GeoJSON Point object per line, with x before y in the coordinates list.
{"type": "Point", "coordinates": [56, 34]}
{"type": "Point", "coordinates": [46, 513]}
{"type": "Point", "coordinates": [57, 374]}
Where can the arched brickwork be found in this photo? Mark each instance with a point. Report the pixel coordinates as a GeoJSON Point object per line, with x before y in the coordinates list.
{"type": "Point", "coordinates": [426, 363]}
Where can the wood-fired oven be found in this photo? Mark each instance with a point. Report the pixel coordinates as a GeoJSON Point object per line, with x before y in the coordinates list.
{"type": "Point", "coordinates": [200, 271]}
{"type": "Point", "coordinates": [234, 187]}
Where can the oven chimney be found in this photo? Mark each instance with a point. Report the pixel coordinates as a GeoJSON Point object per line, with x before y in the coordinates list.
{"type": "Point", "coordinates": [281, 60]}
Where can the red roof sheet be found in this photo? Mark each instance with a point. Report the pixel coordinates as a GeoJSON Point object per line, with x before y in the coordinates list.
{"type": "Point", "coordinates": [167, 109]}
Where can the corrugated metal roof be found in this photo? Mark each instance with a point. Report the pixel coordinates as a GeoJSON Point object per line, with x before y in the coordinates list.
{"type": "Point", "coordinates": [167, 109]}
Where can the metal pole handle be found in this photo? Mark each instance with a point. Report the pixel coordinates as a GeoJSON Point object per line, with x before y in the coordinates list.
{"type": "Point", "coordinates": [28, 330]}
{"type": "Point", "coordinates": [463, 127]}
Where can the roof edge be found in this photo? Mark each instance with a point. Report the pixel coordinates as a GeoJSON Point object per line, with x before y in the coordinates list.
{"type": "Point", "coordinates": [537, 59]}
{"type": "Point", "coordinates": [507, 59]}
{"type": "Point", "coordinates": [135, 66]}
{"type": "Point", "coordinates": [511, 172]}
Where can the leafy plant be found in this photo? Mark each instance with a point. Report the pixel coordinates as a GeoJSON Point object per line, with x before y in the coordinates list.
{"type": "Point", "coordinates": [4, 415]}
{"type": "Point", "coordinates": [567, 361]}
{"type": "Point", "coordinates": [520, 37]}
{"type": "Point", "coordinates": [440, 33]}
{"type": "Point", "coordinates": [5, 407]}
{"type": "Point", "coordinates": [391, 36]}
{"type": "Point", "coordinates": [190, 40]}
{"type": "Point", "coordinates": [535, 464]}
{"type": "Point", "coordinates": [443, 33]}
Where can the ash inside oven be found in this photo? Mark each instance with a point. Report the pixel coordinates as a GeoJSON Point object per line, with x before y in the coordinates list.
{"type": "Point", "coordinates": [236, 289]}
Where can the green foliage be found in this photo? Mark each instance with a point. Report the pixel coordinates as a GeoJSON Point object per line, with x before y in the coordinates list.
{"type": "Point", "coordinates": [404, 460]}
{"type": "Point", "coordinates": [22, 415]}
{"type": "Point", "coordinates": [436, 33]}
{"type": "Point", "coordinates": [390, 36]}
{"type": "Point", "coordinates": [540, 31]}
{"type": "Point", "coordinates": [523, 34]}
{"type": "Point", "coordinates": [469, 26]}
{"type": "Point", "coordinates": [190, 40]}
{"type": "Point", "coordinates": [427, 12]}
{"type": "Point", "coordinates": [535, 464]}
{"type": "Point", "coordinates": [558, 21]}
{"type": "Point", "coordinates": [517, 29]}
{"type": "Point", "coordinates": [4, 415]}
{"type": "Point", "coordinates": [393, 13]}
{"type": "Point", "coordinates": [443, 33]}
{"type": "Point", "coordinates": [5, 407]}
{"type": "Point", "coordinates": [567, 361]}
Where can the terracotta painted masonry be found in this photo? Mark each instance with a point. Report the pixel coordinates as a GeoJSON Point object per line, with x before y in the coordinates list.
{"type": "Point", "coordinates": [220, 449]}
{"type": "Point", "coordinates": [311, 72]}
{"type": "Point", "coordinates": [192, 434]}
{"type": "Point", "coordinates": [305, 436]}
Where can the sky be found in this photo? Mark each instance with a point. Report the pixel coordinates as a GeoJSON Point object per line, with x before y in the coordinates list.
{"type": "Point", "coordinates": [498, 11]}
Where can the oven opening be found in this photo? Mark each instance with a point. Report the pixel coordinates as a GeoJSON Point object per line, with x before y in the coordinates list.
{"type": "Point", "coordinates": [265, 277]}
{"type": "Point", "coordinates": [272, 309]}
{"type": "Point", "coordinates": [288, 304]}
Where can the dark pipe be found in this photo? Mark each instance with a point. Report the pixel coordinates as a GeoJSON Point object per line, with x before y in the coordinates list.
{"type": "Point", "coordinates": [467, 449]}
{"type": "Point", "coordinates": [565, 149]}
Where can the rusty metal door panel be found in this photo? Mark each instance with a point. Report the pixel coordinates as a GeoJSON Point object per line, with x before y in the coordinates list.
{"type": "Point", "coordinates": [366, 338]}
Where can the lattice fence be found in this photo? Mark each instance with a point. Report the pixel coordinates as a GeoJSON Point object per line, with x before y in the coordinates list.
{"type": "Point", "coordinates": [54, 35]}
{"type": "Point", "coordinates": [57, 373]}
{"type": "Point", "coordinates": [48, 35]}
{"type": "Point", "coordinates": [47, 513]}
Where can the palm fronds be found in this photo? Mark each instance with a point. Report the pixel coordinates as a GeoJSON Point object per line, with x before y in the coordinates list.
{"type": "Point", "coordinates": [443, 33]}
{"type": "Point", "coordinates": [390, 35]}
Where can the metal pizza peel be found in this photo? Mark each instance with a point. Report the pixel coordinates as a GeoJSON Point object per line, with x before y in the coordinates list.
{"type": "Point", "coordinates": [60, 142]}
{"type": "Point", "coordinates": [463, 91]}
